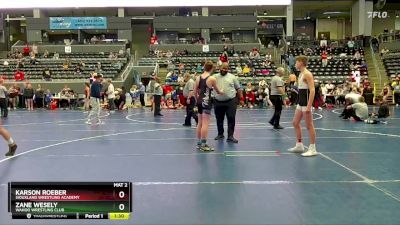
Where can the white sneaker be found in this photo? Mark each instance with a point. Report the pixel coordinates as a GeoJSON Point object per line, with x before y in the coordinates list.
{"type": "Point", "coordinates": [310, 152]}
{"type": "Point", "coordinates": [299, 148]}
{"type": "Point", "coordinates": [88, 122]}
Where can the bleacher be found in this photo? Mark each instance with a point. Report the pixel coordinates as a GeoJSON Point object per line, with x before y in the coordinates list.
{"type": "Point", "coordinates": [392, 64]}
{"type": "Point", "coordinates": [337, 69]}
{"type": "Point", "coordinates": [192, 60]}
{"type": "Point", "coordinates": [109, 67]}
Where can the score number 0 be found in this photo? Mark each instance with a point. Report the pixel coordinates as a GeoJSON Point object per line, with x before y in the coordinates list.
{"type": "Point", "coordinates": [121, 206]}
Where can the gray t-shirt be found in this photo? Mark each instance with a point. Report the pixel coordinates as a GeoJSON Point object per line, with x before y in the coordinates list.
{"type": "Point", "coordinates": [275, 83]}
{"type": "Point", "coordinates": [189, 86]}
{"type": "Point", "coordinates": [229, 85]}
{"type": "Point", "coordinates": [3, 91]}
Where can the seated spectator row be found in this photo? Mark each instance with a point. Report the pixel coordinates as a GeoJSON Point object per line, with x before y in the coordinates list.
{"type": "Point", "coordinates": [60, 69]}
{"type": "Point", "coordinates": [318, 51]}
{"type": "Point", "coordinates": [392, 64]}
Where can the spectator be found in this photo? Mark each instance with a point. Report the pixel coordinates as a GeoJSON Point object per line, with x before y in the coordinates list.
{"type": "Point", "coordinates": [28, 95]}
{"type": "Point", "coordinates": [12, 96]}
{"type": "Point", "coordinates": [47, 74]}
{"type": "Point", "coordinates": [66, 64]}
{"type": "Point", "coordinates": [3, 99]}
{"type": "Point", "coordinates": [39, 97]}
{"type": "Point", "coordinates": [324, 58]}
{"type": "Point", "coordinates": [386, 92]}
{"type": "Point", "coordinates": [357, 55]}
{"type": "Point", "coordinates": [384, 51]}
{"type": "Point", "coordinates": [246, 70]}
{"type": "Point", "coordinates": [19, 75]}
{"type": "Point", "coordinates": [350, 44]}
{"type": "Point", "coordinates": [358, 111]}
{"type": "Point", "coordinates": [142, 90]}
{"type": "Point", "coordinates": [262, 84]}
{"type": "Point", "coordinates": [396, 93]}
{"type": "Point", "coordinates": [238, 69]}
{"type": "Point", "coordinates": [48, 98]}
{"type": "Point", "coordinates": [383, 111]}
{"type": "Point", "coordinates": [292, 79]}
{"type": "Point", "coordinates": [26, 50]}
{"type": "Point", "coordinates": [292, 62]}
{"type": "Point", "coordinates": [375, 44]}
{"type": "Point", "coordinates": [110, 95]}
{"type": "Point", "coordinates": [46, 54]}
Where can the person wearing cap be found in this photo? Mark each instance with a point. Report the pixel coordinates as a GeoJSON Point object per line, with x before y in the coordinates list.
{"type": "Point", "coordinates": [158, 92]}
{"type": "Point", "coordinates": [188, 94]}
{"type": "Point", "coordinates": [110, 95]}
{"type": "Point", "coordinates": [226, 105]}
{"type": "Point", "coordinates": [277, 90]}
{"type": "Point", "coordinates": [95, 95]}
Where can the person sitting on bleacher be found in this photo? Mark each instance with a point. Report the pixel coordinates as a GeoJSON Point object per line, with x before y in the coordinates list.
{"type": "Point", "coordinates": [357, 55]}
{"type": "Point", "coordinates": [78, 69]}
{"type": "Point", "coordinates": [46, 54]}
{"type": "Point", "coordinates": [238, 69]}
{"type": "Point", "coordinates": [66, 64]}
{"type": "Point", "coordinates": [250, 97]}
{"type": "Point", "coordinates": [254, 54]}
{"type": "Point", "coordinates": [19, 75]}
{"type": "Point", "coordinates": [246, 70]}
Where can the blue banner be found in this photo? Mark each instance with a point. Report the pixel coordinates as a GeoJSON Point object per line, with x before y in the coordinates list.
{"type": "Point", "coordinates": [76, 23]}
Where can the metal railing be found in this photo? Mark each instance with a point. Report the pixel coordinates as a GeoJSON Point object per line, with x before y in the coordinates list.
{"type": "Point", "coordinates": [376, 65]}
{"type": "Point", "coordinates": [127, 69]}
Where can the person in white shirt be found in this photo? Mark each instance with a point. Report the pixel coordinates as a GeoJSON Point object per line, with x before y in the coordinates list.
{"type": "Point", "coordinates": [110, 95]}
{"type": "Point", "coordinates": [262, 84]}
{"type": "Point", "coordinates": [351, 98]}
{"type": "Point", "coordinates": [358, 111]}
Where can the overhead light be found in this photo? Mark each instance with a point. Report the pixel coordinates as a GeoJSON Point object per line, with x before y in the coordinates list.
{"type": "Point", "coordinates": [335, 12]}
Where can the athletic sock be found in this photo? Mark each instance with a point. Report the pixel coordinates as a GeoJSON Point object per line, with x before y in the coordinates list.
{"type": "Point", "coordinates": [199, 142]}
{"type": "Point", "coordinates": [203, 142]}
{"type": "Point", "coordinates": [10, 141]}
{"type": "Point", "coordinates": [299, 141]}
{"type": "Point", "coordinates": [312, 146]}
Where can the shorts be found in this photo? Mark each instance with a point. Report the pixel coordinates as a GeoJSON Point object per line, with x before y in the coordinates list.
{"type": "Point", "coordinates": [206, 110]}
{"type": "Point", "coordinates": [301, 108]}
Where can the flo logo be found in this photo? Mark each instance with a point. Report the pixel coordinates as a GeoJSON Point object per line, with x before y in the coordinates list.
{"type": "Point", "coordinates": [376, 14]}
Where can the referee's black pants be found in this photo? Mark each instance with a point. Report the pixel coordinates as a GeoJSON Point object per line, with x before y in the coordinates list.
{"type": "Point", "coordinates": [190, 113]}
{"type": "Point", "coordinates": [4, 107]}
{"type": "Point", "coordinates": [277, 102]}
{"type": "Point", "coordinates": [227, 108]}
{"type": "Point", "coordinates": [157, 105]}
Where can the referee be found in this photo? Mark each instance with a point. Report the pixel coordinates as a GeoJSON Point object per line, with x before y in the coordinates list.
{"type": "Point", "coordinates": [226, 104]}
{"type": "Point", "coordinates": [277, 90]}
{"type": "Point", "coordinates": [188, 93]}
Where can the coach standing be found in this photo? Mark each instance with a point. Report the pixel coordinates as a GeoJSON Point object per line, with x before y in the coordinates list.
{"type": "Point", "coordinates": [190, 100]}
{"type": "Point", "coordinates": [277, 90]}
{"type": "Point", "coordinates": [226, 104]}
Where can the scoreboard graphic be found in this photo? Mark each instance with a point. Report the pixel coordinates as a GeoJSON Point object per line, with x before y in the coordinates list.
{"type": "Point", "coordinates": [70, 200]}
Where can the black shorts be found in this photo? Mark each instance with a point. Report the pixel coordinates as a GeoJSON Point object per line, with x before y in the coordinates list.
{"type": "Point", "coordinates": [204, 109]}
